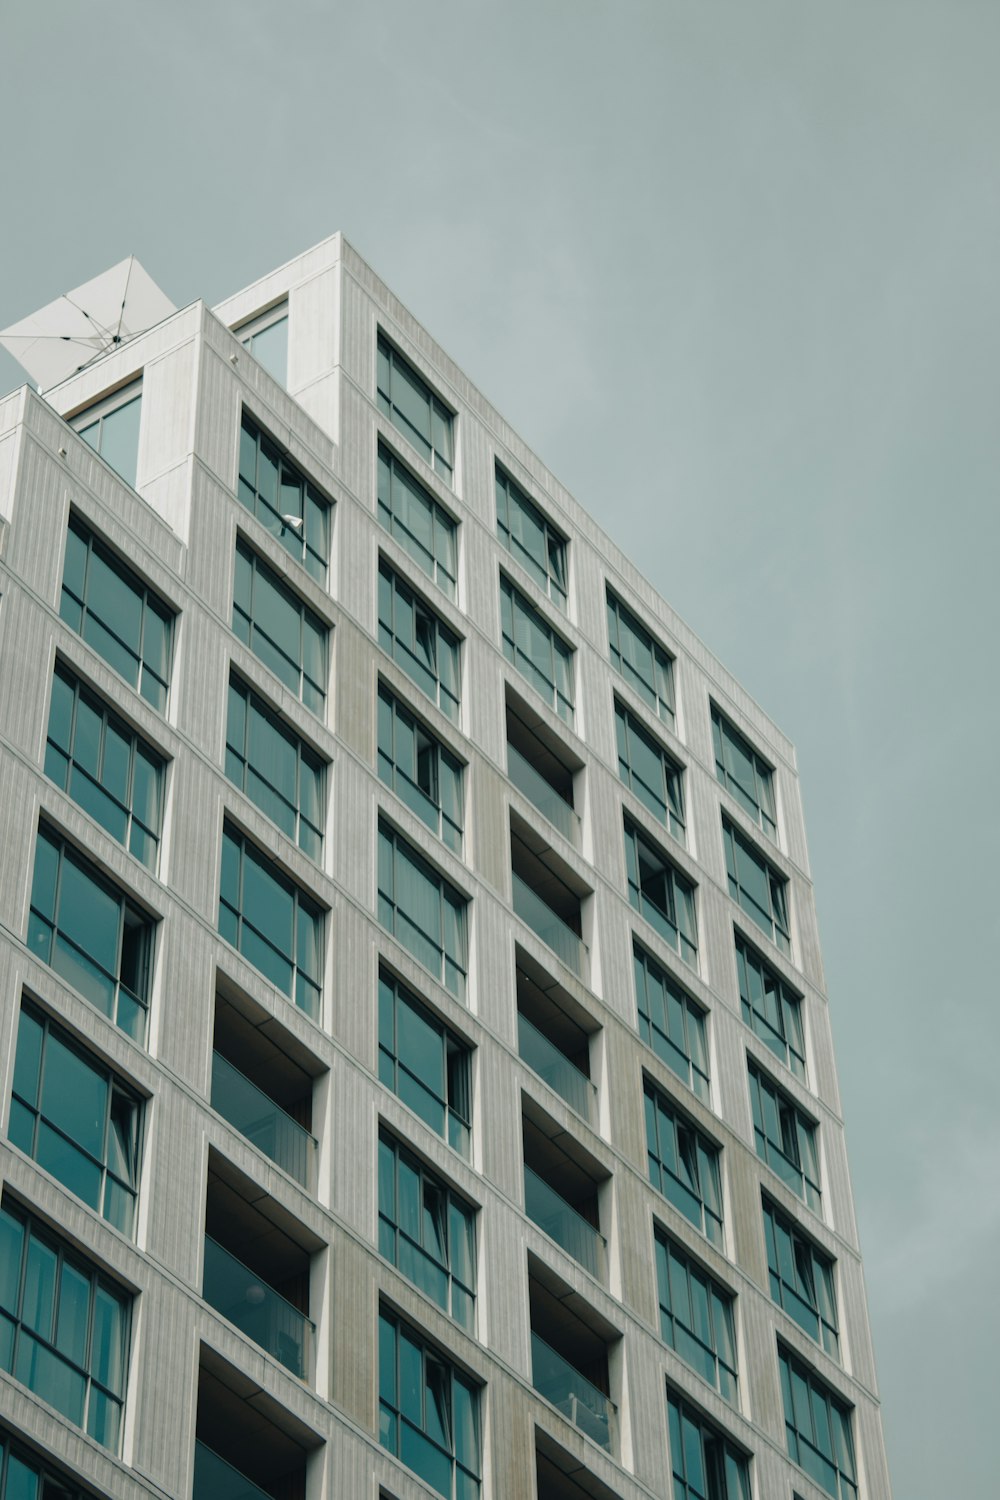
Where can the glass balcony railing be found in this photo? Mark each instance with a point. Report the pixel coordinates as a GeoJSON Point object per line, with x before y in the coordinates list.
{"type": "Point", "coordinates": [214, 1479]}
{"type": "Point", "coordinates": [572, 1393]}
{"type": "Point", "coordinates": [555, 1068]}
{"type": "Point", "coordinates": [257, 1309]}
{"type": "Point", "coordinates": [549, 926]}
{"type": "Point", "coordinates": [542, 795]}
{"type": "Point", "coordinates": [561, 1222]}
{"type": "Point", "coordinates": [264, 1123]}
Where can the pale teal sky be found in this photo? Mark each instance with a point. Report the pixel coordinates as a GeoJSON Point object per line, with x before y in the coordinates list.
{"type": "Point", "coordinates": [732, 270]}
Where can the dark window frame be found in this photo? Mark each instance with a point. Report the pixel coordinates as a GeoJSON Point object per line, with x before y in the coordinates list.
{"type": "Point", "coordinates": [675, 917]}
{"type": "Point", "coordinates": [451, 969]}
{"type": "Point", "coordinates": [402, 1080]}
{"type": "Point", "coordinates": [439, 674]}
{"type": "Point", "coordinates": [665, 802]}
{"type": "Point", "coordinates": [392, 509]}
{"type": "Point", "coordinates": [697, 1320]}
{"type": "Point", "coordinates": [308, 833]}
{"type": "Point", "coordinates": [441, 420]}
{"type": "Point", "coordinates": [689, 1062]}
{"type": "Point", "coordinates": [790, 1147]}
{"type": "Point", "coordinates": [309, 686]}
{"type": "Point", "coordinates": [560, 690]}
{"type": "Point", "coordinates": [759, 802]}
{"type": "Point", "coordinates": [432, 1237]}
{"type": "Point", "coordinates": [697, 1174]}
{"type": "Point", "coordinates": [552, 577]}
{"type": "Point", "coordinates": [655, 687]}
{"type": "Point", "coordinates": [423, 792]}
{"type": "Point", "coordinates": [743, 860]}
{"type": "Point", "coordinates": [311, 507]}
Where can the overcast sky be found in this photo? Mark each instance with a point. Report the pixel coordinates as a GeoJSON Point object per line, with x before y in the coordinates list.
{"type": "Point", "coordinates": [731, 269]}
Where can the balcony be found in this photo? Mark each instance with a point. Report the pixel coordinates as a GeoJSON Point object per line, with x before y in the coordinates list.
{"type": "Point", "coordinates": [546, 897]}
{"type": "Point", "coordinates": [242, 1431]}
{"type": "Point", "coordinates": [569, 1356]}
{"type": "Point", "coordinates": [552, 1037]}
{"type": "Point", "coordinates": [561, 1189]}
{"type": "Point", "coordinates": [573, 1394]}
{"type": "Point", "coordinates": [257, 1310]}
{"type": "Point", "coordinates": [263, 1088]}
{"type": "Point", "coordinates": [559, 1475]}
{"type": "Point", "coordinates": [542, 768]}
{"type": "Point", "coordinates": [561, 1222]}
{"type": "Point", "coordinates": [257, 1267]}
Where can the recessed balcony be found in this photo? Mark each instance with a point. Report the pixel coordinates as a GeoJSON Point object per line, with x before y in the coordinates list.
{"type": "Point", "coordinates": [548, 897]}
{"type": "Point", "coordinates": [569, 1359]}
{"type": "Point", "coordinates": [551, 1038]}
{"type": "Point", "coordinates": [561, 1193]}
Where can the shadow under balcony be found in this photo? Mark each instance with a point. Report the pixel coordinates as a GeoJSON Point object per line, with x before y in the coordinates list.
{"type": "Point", "coordinates": [561, 1187]}
{"type": "Point", "coordinates": [553, 1036]}
{"type": "Point", "coordinates": [242, 1432]}
{"type": "Point", "coordinates": [548, 897]}
{"type": "Point", "coordinates": [569, 1356]}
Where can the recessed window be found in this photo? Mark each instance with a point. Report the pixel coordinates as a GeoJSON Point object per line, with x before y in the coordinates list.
{"type": "Point", "coordinates": [817, 1428]}
{"type": "Point", "coordinates": [423, 528]}
{"type": "Point", "coordinates": [540, 654]}
{"type": "Point", "coordinates": [670, 1022]}
{"type": "Point", "coordinates": [24, 1476]}
{"type": "Point", "coordinates": [428, 1411]}
{"type": "Point", "coordinates": [643, 664]}
{"type": "Point", "coordinates": [426, 776]}
{"type": "Point", "coordinates": [661, 894]}
{"type": "Point", "coordinates": [280, 629]}
{"type": "Point", "coordinates": [75, 1119]}
{"type": "Point", "coordinates": [683, 1163]}
{"type": "Point", "coordinates": [277, 770]}
{"type": "Point", "coordinates": [650, 772]}
{"type": "Point", "coordinates": [426, 1230]}
{"type": "Point", "coordinates": [757, 886]}
{"type": "Point", "coordinates": [530, 538]}
{"type": "Point", "coordinates": [266, 337]}
{"type": "Point", "coordinates": [291, 508]}
{"type": "Point", "coordinates": [696, 1316]}
{"type": "Point", "coordinates": [105, 767]}
{"type": "Point", "coordinates": [275, 925]}
{"type": "Point", "coordinates": [423, 1063]}
{"type": "Point", "coordinates": [414, 410]}
{"type": "Point", "coordinates": [111, 427]}
{"type": "Point", "coordinates": [785, 1138]}
{"type": "Point", "coordinates": [419, 641]}
{"type": "Point", "coordinates": [116, 614]}
{"type": "Point", "coordinates": [770, 1008]}
{"type": "Point", "coordinates": [90, 934]}
{"type": "Point", "coordinates": [801, 1278]}
{"type": "Point", "coordinates": [64, 1328]}
{"type": "Point", "coordinates": [422, 910]}
{"type": "Point", "coordinates": [705, 1464]}
{"type": "Point", "coordinates": [743, 773]}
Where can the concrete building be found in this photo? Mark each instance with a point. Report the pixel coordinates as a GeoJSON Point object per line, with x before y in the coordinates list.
{"type": "Point", "coordinates": [415, 1068]}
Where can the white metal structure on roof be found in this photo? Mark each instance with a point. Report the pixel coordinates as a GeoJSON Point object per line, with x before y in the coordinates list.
{"type": "Point", "coordinates": [70, 333]}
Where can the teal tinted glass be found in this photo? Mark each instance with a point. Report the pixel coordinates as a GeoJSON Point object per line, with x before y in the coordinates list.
{"type": "Point", "coordinates": [643, 664]}
{"type": "Point", "coordinates": [426, 1230]}
{"type": "Point", "coordinates": [428, 1412]}
{"type": "Point", "coordinates": [414, 410]}
{"type": "Point", "coordinates": [760, 890]}
{"type": "Point", "coordinates": [275, 768]}
{"type": "Point", "coordinates": [115, 436]}
{"type": "Point", "coordinates": [683, 1164]}
{"type": "Point", "coordinates": [422, 1062]}
{"type": "Point", "coordinates": [661, 893]}
{"type": "Point", "coordinates": [422, 910]}
{"type": "Point", "coordinates": [770, 1007]}
{"type": "Point", "coordinates": [647, 769]}
{"type": "Point", "coordinates": [670, 1022]}
{"type": "Point", "coordinates": [696, 1316]}
{"type": "Point", "coordinates": [419, 641]}
{"type": "Point", "coordinates": [420, 770]}
{"type": "Point", "coordinates": [280, 629]}
{"type": "Point", "coordinates": [785, 1138]}
{"type": "Point", "coordinates": [115, 612]}
{"type": "Point", "coordinates": [286, 503]}
{"type": "Point", "coordinates": [423, 527]}
{"type": "Point", "coordinates": [530, 538]}
{"type": "Point", "coordinates": [271, 921]}
{"type": "Point", "coordinates": [538, 652]}
{"type": "Point", "coordinates": [106, 768]}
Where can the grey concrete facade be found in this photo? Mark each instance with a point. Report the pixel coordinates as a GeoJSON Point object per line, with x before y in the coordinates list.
{"type": "Point", "coordinates": [177, 531]}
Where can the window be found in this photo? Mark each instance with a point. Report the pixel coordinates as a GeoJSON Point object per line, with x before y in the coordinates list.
{"type": "Point", "coordinates": [743, 773]}
{"type": "Point", "coordinates": [266, 337]}
{"type": "Point", "coordinates": [648, 771]}
{"type": "Point", "coordinates": [116, 614]}
{"type": "Point", "coordinates": [428, 1412]}
{"type": "Point", "coordinates": [645, 666]}
{"type": "Point", "coordinates": [414, 410]}
{"type": "Point", "coordinates": [661, 894]}
{"type": "Point", "coordinates": [817, 1429]}
{"type": "Point", "coordinates": [756, 886]}
{"type": "Point", "coordinates": [706, 1465]}
{"type": "Point", "coordinates": [785, 1137]}
{"type": "Point", "coordinates": [280, 630]}
{"type": "Point", "coordinates": [283, 500]}
{"type": "Point", "coordinates": [63, 1328]}
{"type": "Point", "coordinates": [670, 1022]}
{"type": "Point", "coordinates": [276, 770]}
{"type": "Point", "coordinates": [540, 655]}
{"type": "Point", "coordinates": [422, 910]}
{"type": "Point", "coordinates": [426, 1230]}
{"type": "Point", "coordinates": [274, 925]}
{"type": "Point", "coordinates": [530, 538]}
{"type": "Point", "coordinates": [111, 427]}
{"type": "Point", "coordinates": [696, 1316]}
{"type": "Point", "coordinates": [23, 1476]}
{"type": "Point", "coordinates": [91, 934]}
{"type": "Point", "coordinates": [423, 1063]}
{"type": "Point", "coordinates": [420, 770]}
{"type": "Point", "coordinates": [771, 1010]}
{"type": "Point", "coordinates": [412, 515]}
{"type": "Point", "coordinates": [420, 642]}
{"type": "Point", "coordinates": [801, 1279]}
{"type": "Point", "coordinates": [105, 767]}
{"type": "Point", "coordinates": [74, 1118]}
{"type": "Point", "coordinates": [683, 1164]}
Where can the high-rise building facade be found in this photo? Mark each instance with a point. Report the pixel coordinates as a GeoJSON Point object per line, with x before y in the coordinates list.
{"type": "Point", "coordinates": [415, 1066]}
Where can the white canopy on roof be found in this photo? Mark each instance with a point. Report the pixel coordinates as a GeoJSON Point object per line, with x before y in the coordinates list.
{"type": "Point", "coordinates": [80, 326]}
